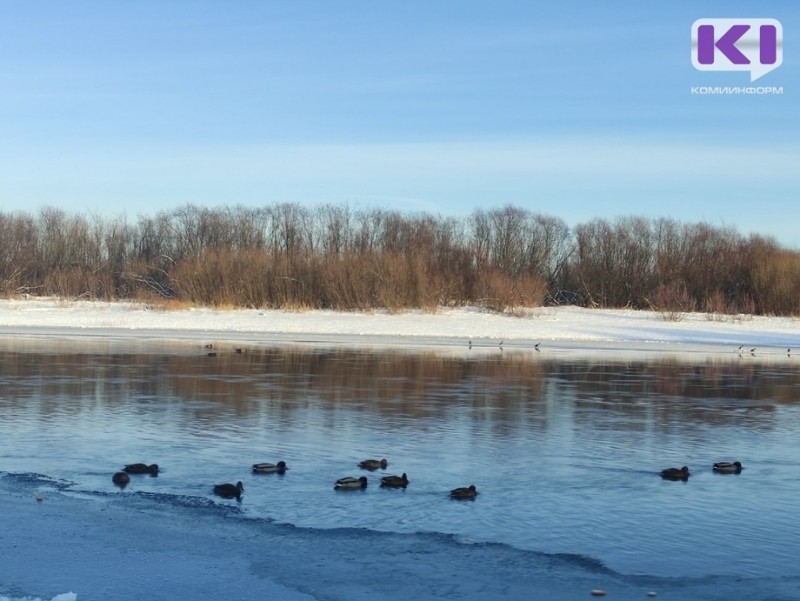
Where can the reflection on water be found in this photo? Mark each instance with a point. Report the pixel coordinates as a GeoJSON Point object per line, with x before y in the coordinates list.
{"type": "Point", "coordinates": [276, 382]}
{"type": "Point", "coordinates": [565, 454]}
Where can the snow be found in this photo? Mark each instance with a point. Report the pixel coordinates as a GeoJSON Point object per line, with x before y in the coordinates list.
{"type": "Point", "coordinates": [552, 327]}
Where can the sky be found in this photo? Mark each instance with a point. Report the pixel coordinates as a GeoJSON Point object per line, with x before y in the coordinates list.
{"type": "Point", "coordinates": [577, 110]}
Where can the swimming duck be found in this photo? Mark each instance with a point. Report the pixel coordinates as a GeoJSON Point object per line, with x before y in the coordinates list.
{"type": "Point", "coordinates": [270, 468]}
{"type": "Point", "coordinates": [465, 492]}
{"type": "Point", "coordinates": [350, 483]}
{"type": "Point", "coordinates": [141, 468]}
{"type": "Point", "coordinates": [121, 479]}
{"type": "Point", "coordinates": [229, 491]}
{"type": "Point", "coordinates": [726, 467]}
{"type": "Point", "coordinates": [373, 464]}
{"type": "Point", "coordinates": [674, 473]}
{"type": "Point", "coordinates": [395, 481]}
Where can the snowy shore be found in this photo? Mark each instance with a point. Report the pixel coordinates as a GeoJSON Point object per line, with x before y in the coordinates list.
{"type": "Point", "coordinates": [555, 328]}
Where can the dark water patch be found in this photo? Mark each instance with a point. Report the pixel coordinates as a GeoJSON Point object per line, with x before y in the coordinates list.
{"type": "Point", "coordinates": [144, 500]}
{"type": "Point", "coordinates": [194, 503]}
{"type": "Point", "coordinates": [24, 482]}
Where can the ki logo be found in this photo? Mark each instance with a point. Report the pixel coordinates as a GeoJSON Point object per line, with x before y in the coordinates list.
{"type": "Point", "coordinates": [754, 45]}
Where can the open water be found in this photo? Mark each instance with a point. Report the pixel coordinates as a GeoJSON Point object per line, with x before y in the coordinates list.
{"type": "Point", "coordinates": [565, 455]}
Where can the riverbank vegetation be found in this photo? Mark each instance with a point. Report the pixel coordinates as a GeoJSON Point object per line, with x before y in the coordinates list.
{"type": "Point", "coordinates": [337, 257]}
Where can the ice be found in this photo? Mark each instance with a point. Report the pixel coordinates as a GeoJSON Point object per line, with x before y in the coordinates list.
{"type": "Point", "coordinates": [62, 597]}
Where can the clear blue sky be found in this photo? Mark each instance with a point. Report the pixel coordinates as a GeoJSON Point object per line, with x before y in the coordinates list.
{"type": "Point", "coordinates": [573, 109]}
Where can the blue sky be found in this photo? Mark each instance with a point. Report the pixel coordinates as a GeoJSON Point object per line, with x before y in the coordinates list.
{"type": "Point", "coordinates": [573, 109]}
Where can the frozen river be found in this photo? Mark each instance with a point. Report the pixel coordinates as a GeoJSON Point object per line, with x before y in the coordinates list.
{"type": "Point", "coordinates": [565, 453]}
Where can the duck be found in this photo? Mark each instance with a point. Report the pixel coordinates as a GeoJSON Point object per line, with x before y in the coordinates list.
{"type": "Point", "coordinates": [395, 481]}
{"type": "Point", "coordinates": [675, 473]}
{"type": "Point", "coordinates": [465, 492]}
{"type": "Point", "coordinates": [350, 483]}
{"type": "Point", "coordinates": [141, 468]}
{"type": "Point", "coordinates": [121, 479]}
{"type": "Point", "coordinates": [374, 464]}
{"type": "Point", "coordinates": [726, 467]}
{"type": "Point", "coordinates": [270, 468]}
{"type": "Point", "coordinates": [229, 491]}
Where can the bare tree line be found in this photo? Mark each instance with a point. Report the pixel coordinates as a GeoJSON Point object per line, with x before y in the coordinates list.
{"type": "Point", "coordinates": [334, 256]}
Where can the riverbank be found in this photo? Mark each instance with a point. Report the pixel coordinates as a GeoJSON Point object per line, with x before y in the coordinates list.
{"type": "Point", "coordinates": [553, 328]}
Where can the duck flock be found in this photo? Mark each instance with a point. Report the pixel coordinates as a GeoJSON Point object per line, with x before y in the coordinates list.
{"type": "Point", "coordinates": [234, 491]}
{"type": "Point", "coordinates": [683, 473]}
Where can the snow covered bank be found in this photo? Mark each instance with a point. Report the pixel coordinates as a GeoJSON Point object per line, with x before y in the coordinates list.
{"type": "Point", "coordinates": [563, 327]}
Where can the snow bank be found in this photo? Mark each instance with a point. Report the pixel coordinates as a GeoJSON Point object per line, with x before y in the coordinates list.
{"type": "Point", "coordinates": [447, 325]}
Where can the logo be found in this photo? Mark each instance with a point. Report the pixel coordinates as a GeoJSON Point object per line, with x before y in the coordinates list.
{"type": "Point", "coordinates": [754, 45]}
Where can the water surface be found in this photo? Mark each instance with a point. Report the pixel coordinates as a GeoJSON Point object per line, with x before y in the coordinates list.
{"type": "Point", "coordinates": [565, 455]}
